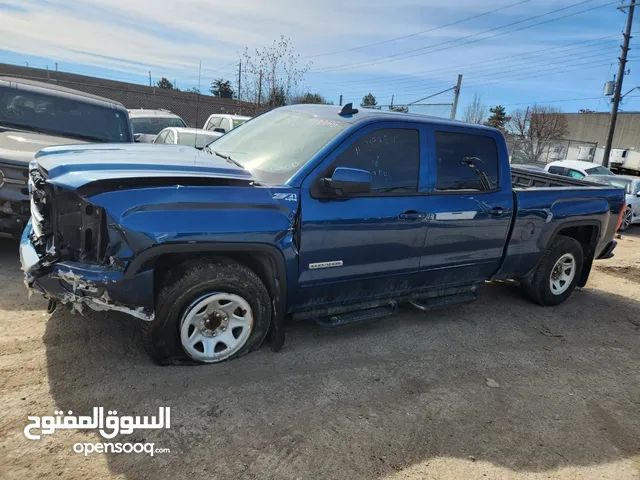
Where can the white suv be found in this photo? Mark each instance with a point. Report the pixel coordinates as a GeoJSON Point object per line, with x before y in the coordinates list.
{"type": "Point", "coordinates": [223, 123]}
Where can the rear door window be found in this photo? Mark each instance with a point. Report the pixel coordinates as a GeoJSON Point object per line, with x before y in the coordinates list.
{"type": "Point", "coordinates": [466, 162]}
{"type": "Point", "coordinates": [575, 174]}
{"type": "Point", "coordinates": [558, 171]}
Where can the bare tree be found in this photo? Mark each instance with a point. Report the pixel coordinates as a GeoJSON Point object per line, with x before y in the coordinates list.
{"type": "Point", "coordinates": [475, 112]}
{"type": "Point", "coordinates": [269, 74]}
{"type": "Point", "coordinates": [536, 128]}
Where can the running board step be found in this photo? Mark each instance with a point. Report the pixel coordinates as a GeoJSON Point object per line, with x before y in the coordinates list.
{"type": "Point", "coordinates": [359, 316]}
{"type": "Point", "coordinates": [439, 302]}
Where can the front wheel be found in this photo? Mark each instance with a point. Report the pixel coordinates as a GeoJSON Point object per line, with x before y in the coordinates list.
{"type": "Point", "coordinates": [626, 220]}
{"type": "Point", "coordinates": [557, 273]}
{"type": "Point", "coordinates": [211, 311]}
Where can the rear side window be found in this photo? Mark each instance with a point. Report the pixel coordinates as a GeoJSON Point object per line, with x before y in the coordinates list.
{"type": "Point", "coordinates": [558, 171]}
{"type": "Point", "coordinates": [391, 155]}
{"type": "Point", "coordinates": [466, 162]}
{"type": "Point", "coordinates": [214, 122]}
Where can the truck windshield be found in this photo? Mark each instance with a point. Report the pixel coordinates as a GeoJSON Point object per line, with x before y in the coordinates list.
{"type": "Point", "coordinates": [277, 144]}
{"type": "Point", "coordinates": [599, 170]}
{"type": "Point", "coordinates": [62, 116]}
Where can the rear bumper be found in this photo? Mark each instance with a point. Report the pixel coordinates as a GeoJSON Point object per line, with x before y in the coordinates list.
{"type": "Point", "coordinates": [608, 250]}
{"type": "Point", "coordinates": [80, 285]}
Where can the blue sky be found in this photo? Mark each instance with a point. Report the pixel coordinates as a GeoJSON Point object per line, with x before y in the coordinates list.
{"type": "Point", "coordinates": [564, 59]}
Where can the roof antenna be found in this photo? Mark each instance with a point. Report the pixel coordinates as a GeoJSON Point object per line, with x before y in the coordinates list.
{"type": "Point", "coordinates": [348, 110]}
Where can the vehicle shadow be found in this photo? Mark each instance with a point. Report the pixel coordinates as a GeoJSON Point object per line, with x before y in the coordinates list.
{"type": "Point", "coordinates": [11, 279]}
{"type": "Point", "coordinates": [367, 401]}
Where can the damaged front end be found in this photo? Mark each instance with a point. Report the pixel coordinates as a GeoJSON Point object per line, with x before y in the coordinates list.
{"type": "Point", "coordinates": [69, 253]}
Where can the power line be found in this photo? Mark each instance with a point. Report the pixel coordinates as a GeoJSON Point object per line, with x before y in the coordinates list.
{"type": "Point", "coordinates": [549, 101]}
{"type": "Point", "coordinates": [498, 70]}
{"type": "Point", "coordinates": [418, 33]}
{"type": "Point", "coordinates": [493, 61]}
{"type": "Point", "coordinates": [391, 58]}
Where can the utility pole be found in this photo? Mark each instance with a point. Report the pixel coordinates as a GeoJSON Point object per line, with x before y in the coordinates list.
{"type": "Point", "coordinates": [240, 81]}
{"type": "Point", "coordinates": [56, 66]}
{"type": "Point", "coordinates": [392, 100]}
{"type": "Point", "coordinates": [260, 89]}
{"type": "Point", "coordinates": [619, 79]}
{"type": "Point", "coordinates": [456, 97]}
{"type": "Point", "coordinates": [150, 78]}
{"type": "Point", "coordinates": [340, 100]}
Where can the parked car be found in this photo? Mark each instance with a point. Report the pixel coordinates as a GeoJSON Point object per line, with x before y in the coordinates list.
{"type": "Point", "coordinates": [192, 137]}
{"type": "Point", "coordinates": [223, 123]}
{"type": "Point", "coordinates": [576, 168]}
{"type": "Point", "coordinates": [306, 212]}
{"type": "Point", "coordinates": [34, 115]}
{"type": "Point", "coordinates": [631, 186]}
{"type": "Point", "coordinates": [148, 123]}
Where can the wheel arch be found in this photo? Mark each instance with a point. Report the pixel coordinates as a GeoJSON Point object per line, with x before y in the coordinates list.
{"type": "Point", "coordinates": [586, 232]}
{"type": "Point", "coordinates": [265, 260]}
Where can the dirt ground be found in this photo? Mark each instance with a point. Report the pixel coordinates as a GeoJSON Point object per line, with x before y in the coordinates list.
{"type": "Point", "coordinates": [403, 398]}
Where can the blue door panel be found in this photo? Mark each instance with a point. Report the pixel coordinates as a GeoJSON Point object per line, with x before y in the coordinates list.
{"type": "Point", "coordinates": [365, 250]}
{"type": "Point", "coordinates": [467, 234]}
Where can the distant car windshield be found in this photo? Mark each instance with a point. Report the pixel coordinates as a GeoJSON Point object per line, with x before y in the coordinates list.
{"type": "Point", "coordinates": [153, 125]}
{"type": "Point", "coordinates": [237, 122]}
{"type": "Point", "coordinates": [62, 116]}
{"type": "Point", "coordinates": [599, 170]}
{"type": "Point", "coordinates": [277, 144]}
{"type": "Point", "coordinates": [615, 181]}
{"type": "Point", "coordinates": [197, 141]}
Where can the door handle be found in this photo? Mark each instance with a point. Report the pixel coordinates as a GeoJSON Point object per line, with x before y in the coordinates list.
{"type": "Point", "coordinates": [497, 211]}
{"type": "Point", "coordinates": [412, 215]}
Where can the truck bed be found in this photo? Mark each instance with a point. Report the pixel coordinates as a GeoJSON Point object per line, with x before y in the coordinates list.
{"type": "Point", "coordinates": [525, 179]}
{"type": "Point", "coordinates": [546, 202]}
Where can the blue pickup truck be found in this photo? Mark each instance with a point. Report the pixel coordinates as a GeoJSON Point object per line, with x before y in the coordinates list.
{"type": "Point", "coordinates": [305, 212]}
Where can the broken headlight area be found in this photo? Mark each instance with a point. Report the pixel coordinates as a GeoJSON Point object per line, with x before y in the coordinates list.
{"type": "Point", "coordinates": [99, 288]}
{"type": "Point", "coordinates": [65, 225]}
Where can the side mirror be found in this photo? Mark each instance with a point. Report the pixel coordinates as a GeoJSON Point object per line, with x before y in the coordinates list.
{"type": "Point", "coordinates": [638, 194]}
{"type": "Point", "coordinates": [219, 130]}
{"type": "Point", "coordinates": [136, 137]}
{"type": "Point", "coordinates": [347, 180]}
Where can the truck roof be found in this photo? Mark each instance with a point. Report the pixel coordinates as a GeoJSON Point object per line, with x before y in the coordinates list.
{"type": "Point", "coordinates": [146, 113]}
{"type": "Point", "coordinates": [13, 81]}
{"type": "Point", "coordinates": [367, 114]}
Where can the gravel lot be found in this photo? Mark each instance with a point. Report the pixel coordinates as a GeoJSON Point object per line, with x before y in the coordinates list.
{"type": "Point", "coordinates": [406, 397]}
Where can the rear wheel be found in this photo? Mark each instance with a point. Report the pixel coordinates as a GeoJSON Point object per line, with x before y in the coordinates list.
{"type": "Point", "coordinates": [557, 273]}
{"type": "Point", "coordinates": [208, 312]}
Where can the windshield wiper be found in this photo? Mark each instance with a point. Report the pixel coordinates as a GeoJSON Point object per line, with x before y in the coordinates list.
{"type": "Point", "coordinates": [227, 158]}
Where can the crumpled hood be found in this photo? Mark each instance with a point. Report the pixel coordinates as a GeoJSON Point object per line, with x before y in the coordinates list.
{"type": "Point", "coordinates": [75, 166]}
{"type": "Point", "coordinates": [18, 147]}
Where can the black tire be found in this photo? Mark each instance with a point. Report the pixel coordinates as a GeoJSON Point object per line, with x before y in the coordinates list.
{"type": "Point", "coordinates": [538, 287]}
{"type": "Point", "coordinates": [184, 285]}
{"type": "Point", "coordinates": [627, 214]}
